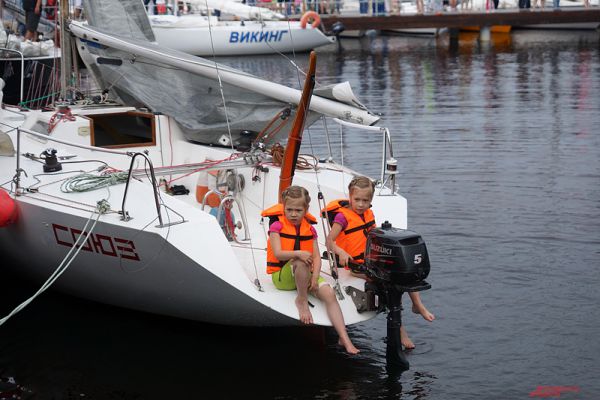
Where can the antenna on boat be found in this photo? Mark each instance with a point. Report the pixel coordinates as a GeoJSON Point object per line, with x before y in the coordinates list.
{"type": "Point", "coordinates": [290, 157]}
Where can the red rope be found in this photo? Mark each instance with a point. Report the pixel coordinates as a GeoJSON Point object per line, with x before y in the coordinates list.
{"type": "Point", "coordinates": [61, 115]}
{"type": "Point", "coordinates": [229, 222]}
{"type": "Point", "coordinates": [207, 165]}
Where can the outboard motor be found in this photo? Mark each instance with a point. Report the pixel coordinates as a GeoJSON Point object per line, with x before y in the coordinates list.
{"type": "Point", "coordinates": [397, 256]}
{"type": "Point", "coordinates": [397, 261]}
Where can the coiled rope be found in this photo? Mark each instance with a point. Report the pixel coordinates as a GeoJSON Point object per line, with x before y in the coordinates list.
{"type": "Point", "coordinates": [88, 182]}
{"type": "Point", "coordinates": [303, 163]}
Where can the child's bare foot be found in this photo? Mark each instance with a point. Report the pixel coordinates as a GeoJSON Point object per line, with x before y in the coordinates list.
{"type": "Point", "coordinates": [405, 340]}
{"type": "Point", "coordinates": [349, 347]}
{"type": "Point", "coordinates": [303, 310]}
{"type": "Point", "coordinates": [420, 309]}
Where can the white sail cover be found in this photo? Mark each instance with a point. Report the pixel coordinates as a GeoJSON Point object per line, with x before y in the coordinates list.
{"type": "Point", "coordinates": [123, 59]}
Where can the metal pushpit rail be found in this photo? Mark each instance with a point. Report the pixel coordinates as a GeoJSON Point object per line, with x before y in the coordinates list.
{"type": "Point", "coordinates": [125, 215]}
{"type": "Point", "coordinates": [389, 165]}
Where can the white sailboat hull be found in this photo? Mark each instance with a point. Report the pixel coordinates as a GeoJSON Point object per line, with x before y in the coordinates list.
{"type": "Point", "coordinates": [158, 278]}
{"type": "Point", "coordinates": [188, 270]}
{"type": "Point", "coordinates": [229, 38]}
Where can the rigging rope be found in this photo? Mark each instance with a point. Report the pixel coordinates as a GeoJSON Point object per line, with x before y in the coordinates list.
{"type": "Point", "coordinates": [238, 184]}
{"type": "Point", "coordinates": [102, 207]}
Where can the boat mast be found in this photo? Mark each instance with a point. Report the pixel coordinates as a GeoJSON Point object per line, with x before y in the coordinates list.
{"type": "Point", "coordinates": [66, 59]}
{"type": "Point", "coordinates": [290, 157]}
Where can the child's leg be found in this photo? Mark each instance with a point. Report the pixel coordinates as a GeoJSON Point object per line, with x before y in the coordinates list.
{"type": "Point", "coordinates": [419, 308]}
{"type": "Point", "coordinates": [405, 340]}
{"type": "Point", "coordinates": [326, 294]}
{"type": "Point", "coordinates": [302, 277]}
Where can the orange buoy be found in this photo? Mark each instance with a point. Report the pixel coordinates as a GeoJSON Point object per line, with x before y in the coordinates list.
{"type": "Point", "coordinates": [312, 15]}
{"type": "Point", "coordinates": [203, 187]}
{"type": "Point", "coordinates": [8, 209]}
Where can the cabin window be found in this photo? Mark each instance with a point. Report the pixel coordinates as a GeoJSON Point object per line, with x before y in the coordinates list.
{"type": "Point", "coordinates": [128, 129]}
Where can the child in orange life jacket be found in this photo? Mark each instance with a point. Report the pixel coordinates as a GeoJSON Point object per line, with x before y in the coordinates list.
{"type": "Point", "coordinates": [348, 237]}
{"type": "Point", "coordinates": [293, 259]}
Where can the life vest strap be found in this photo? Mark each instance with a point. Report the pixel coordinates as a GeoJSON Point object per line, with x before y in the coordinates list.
{"type": "Point", "coordinates": [298, 237]}
{"type": "Point", "coordinates": [360, 227]}
{"type": "Point", "coordinates": [275, 264]}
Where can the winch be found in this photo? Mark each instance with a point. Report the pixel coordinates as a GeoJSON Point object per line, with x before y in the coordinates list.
{"type": "Point", "coordinates": [396, 261]}
{"type": "Point", "coordinates": [51, 163]}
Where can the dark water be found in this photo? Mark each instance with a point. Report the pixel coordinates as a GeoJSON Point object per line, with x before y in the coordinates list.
{"type": "Point", "coordinates": [499, 154]}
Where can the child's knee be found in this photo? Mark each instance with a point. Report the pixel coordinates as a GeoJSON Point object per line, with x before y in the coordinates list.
{"type": "Point", "coordinates": [326, 293]}
{"type": "Point", "coordinates": [299, 265]}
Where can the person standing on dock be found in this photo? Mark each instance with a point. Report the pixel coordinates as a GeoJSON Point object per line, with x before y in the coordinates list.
{"type": "Point", "coordinates": [33, 10]}
{"type": "Point", "coordinates": [542, 4]}
{"type": "Point", "coordinates": [154, 8]}
{"type": "Point", "coordinates": [78, 10]}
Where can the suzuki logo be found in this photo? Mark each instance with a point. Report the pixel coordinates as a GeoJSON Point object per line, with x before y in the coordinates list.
{"type": "Point", "coordinates": [381, 249]}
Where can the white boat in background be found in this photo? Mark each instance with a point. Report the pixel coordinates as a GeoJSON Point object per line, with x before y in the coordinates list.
{"type": "Point", "coordinates": [190, 34]}
{"type": "Point", "coordinates": [586, 26]}
{"type": "Point", "coordinates": [27, 69]}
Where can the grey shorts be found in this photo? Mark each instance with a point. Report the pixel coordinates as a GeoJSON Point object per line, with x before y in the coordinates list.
{"type": "Point", "coordinates": [31, 20]}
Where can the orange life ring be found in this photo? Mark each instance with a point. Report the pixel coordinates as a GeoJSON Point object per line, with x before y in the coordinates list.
{"type": "Point", "coordinates": [316, 20]}
{"type": "Point", "coordinates": [203, 186]}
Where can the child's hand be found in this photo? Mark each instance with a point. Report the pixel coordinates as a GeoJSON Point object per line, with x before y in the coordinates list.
{"type": "Point", "coordinates": [314, 283]}
{"type": "Point", "coordinates": [344, 258]}
{"type": "Point", "coordinates": [305, 256]}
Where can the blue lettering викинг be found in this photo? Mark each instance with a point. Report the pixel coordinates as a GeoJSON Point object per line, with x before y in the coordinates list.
{"type": "Point", "coordinates": [256, 37]}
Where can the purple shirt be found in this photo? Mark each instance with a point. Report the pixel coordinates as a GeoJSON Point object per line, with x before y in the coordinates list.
{"type": "Point", "coordinates": [340, 219]}
{"type": "Point", "coordinates": [277, 226]}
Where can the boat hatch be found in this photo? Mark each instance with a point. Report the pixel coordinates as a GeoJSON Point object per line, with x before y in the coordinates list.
{"type": "Point", "coordinates": [128, 129]}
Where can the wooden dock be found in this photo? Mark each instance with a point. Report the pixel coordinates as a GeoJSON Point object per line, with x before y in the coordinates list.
{"type": "Point", "coordinates": [458, 19]}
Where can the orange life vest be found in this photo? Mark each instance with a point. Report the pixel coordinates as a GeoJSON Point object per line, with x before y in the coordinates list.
{"type": "Point", "coordinates": [291, 238]}
{"type": "Point", "coordinates": [353, 239]}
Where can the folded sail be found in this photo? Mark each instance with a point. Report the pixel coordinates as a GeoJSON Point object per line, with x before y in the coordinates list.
{"type": "Point", "coordinates": [122, 58]}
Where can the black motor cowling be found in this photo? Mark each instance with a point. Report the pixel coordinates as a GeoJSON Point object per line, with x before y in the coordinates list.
{"type": "Point", "coordinates": [397, 256]}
